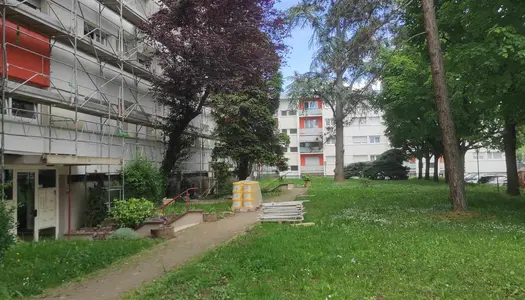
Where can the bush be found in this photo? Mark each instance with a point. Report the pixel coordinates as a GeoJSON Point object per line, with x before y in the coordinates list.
{"type": "Point", "coordinates": [124, 234]}
{"type": "Point", "coordinates": [131, 212]}
{"type": "Point", "coordinates": [356, 169]}
{"type": "Point", "coordinates": [389, 165]}
{"type": "Point", "coordinates": [97, 205]}
{"type": "Point", "coordinates": [7, 223]}
{"type": "Point", "coordinates": [142, 179]}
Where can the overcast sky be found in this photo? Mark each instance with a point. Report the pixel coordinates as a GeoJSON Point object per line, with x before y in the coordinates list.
{"type": "Point", "coordinates": [300, 55]}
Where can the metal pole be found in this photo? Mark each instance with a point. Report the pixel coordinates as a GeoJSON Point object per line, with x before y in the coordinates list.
{"type": "Point", "coordinates": [4, 85]}
{"type": "Point", "coordinates": [477, 159]}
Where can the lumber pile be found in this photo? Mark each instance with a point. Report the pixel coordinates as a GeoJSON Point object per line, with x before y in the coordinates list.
{"type": "Point", "coordinates": [291, 211]}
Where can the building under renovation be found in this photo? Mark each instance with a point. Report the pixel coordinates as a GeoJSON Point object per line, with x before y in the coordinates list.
{"type": "Point", "coordinates": [77, 104]}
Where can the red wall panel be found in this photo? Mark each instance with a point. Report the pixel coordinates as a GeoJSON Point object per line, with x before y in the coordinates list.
{"type": "Point", "coordinates": [27, 55]}
{"type": "Point", "coordinates": [303, 158]}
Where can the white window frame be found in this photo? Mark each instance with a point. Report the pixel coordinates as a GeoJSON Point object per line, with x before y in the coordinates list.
{"type": "Point", "coordinates": [373, 157]}
{"type": "Point", "coordinates": [9, 111]}
{"type": "Point", "coordinates": [95, 33]}
{"type": "Point", "coordinates": [374, 139]}
{"type": "Point", "coordinates": [490, 155]}
{"type": "Point", "coordinates": [329, 122]}
{"type": "Point", "coordinates": [310, 121]}
{"type": "Point", "coordinates": [330, 141]}
{"type": "Point", "coordinates": [310, 105]}
{"type": "Point", "coordinates": [359, 121]}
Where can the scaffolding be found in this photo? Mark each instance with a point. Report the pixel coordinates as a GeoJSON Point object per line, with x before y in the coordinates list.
{"type": "Point", "coordinates": [99, 74]}
{"type": "Point", "coordinates": [93, 57]}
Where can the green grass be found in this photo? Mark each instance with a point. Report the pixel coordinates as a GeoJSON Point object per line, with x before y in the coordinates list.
{"type": "Point", "coordinates": [396, 240]}
{"type": "Point", "coordinates": [30, 268]}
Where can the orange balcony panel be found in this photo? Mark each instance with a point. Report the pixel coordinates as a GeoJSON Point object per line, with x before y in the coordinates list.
{"type": "Point", "coordinates": [319, 119]}
{"type": "Point", "coordinates": [27, 56]}
{"type": "Point", "coordinates": [303, 158]}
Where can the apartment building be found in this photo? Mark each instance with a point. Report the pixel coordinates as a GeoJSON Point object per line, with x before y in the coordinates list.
{"type": "Point", "coordinates": [77, 103]}
{"type": "Point", "coordinates": [310, 126]}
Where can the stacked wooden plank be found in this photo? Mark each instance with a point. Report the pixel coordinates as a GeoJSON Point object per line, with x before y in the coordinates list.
{"type": "Point", "coordinates": [290, 211]}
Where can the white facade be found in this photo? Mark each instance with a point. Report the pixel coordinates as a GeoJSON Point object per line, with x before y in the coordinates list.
{"type": "Point", "coordinates": [78, 101]}
{"type": "Point", "coordinates": [364, 140]}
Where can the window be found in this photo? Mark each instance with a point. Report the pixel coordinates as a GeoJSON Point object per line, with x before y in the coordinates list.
{"type": "Point", "coordinates": [311, 123]}
{"type": "Point", "coordinates": [374, 121]}
{"type": "Point", "coordinates": [8, 188]}
{"type": "Point", "coordinates": [373, 157]}
{"type": "Point", "coordinates": [95, 33]}
{"type": "Point", "coordinates": [284, 112]}
{"type": "Point", "coordinates": [292, 112]}
{"type": "Point", "coordinates": [23, 109]}
{"type": "Point", "coordinates": [360, 158]}
{"type": "Point", "coordinates": [495, 155]}
{"type": "Point", "coordinates": [376, 139]}
{"type": "Point", "coordinates": [477, 155]}
{"type": "Point", "coordinates": [359, 139]}
{"type": "Point", "coordinates": [283, 131]}
{"type": "Point", "coordinates": [144, 60]}
{"type": "Point", "coordinates": [310, 105]}
{"type": "Point", "coordinates": [330, 141]}
{"type": "Point", "coordinates": [330, 122]}
{"type": "Point", "coordinates": [293, 149]}
{"type": "Point", "coordinates": [47, 178]}
{"type": "Point", "coordinates": [359, 121]}
{"type": "Point", "coordinates": [294, 168]}
{"type": "Point", "coordinates": [293, 131]}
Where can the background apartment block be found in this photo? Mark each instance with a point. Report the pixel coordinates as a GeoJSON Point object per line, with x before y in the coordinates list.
{"type": "Point", "coordinates": [76, 92]}
{"type": "Point", "coordinates": [310, 125]}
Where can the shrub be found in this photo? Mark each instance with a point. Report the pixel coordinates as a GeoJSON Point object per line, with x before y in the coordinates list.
{"type": "Point", "coordinates": [389, 165]}
{"type": "Point", "coordinates": [131, 212]}
{"type": "Point", "coordinates": [97, 205]}
{"type": "Point", "coordinates": [356, 169]}
{"type": "Point", "coordinates": [142, 179]}
{"type": "Point", "coordinates": [7, 223]}
{"type": "Point", "coordinates": [223, 177]}
{"type": "Point", "coordinates": [124, 234]}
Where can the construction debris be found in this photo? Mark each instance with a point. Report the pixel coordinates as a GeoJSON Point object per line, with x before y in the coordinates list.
{"type": "Point", "coordinates": [290, 211]}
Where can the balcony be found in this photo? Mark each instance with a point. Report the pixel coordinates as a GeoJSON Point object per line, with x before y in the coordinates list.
{"type": "Point", "coordinates": [312, 169]}
{"type": "Point", "coordinates": [311, 131]}
{"type": "Point", "coordinates": [310, 112]}
{"type": "Point", "coordinates": [311, 147]}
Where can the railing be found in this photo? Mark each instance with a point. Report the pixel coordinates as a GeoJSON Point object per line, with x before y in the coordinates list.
{"type": "Point", "coordinates": [311, 131]}
{"type": "Point", "coordinates": [186, 194]}
{"type": "Point", "coordinates": [312, 169]}
{"type": "Point", "coordinates": [311, 150]}
{"type": "Point", "coordinates": [310, 112]}
{"type": "Point", "coordinates": [278, 180]}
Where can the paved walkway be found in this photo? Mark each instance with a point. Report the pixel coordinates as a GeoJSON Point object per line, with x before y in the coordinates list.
{"type": "Point", "coordinates": [150, 264]}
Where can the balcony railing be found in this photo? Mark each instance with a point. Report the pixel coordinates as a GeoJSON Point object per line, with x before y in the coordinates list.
{"type": "Point", "coordinates": [311, 150]}
{"type": "Point", "coordinates": [311, 131]}
{"type": "Point", "coordinates": [312, 169]}
{"type": "Point", "coordinates": [310, 112]}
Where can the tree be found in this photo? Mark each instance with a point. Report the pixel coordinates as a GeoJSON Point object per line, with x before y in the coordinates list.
{"type": "Point", "coordinates": [246, 131]}
{"type": "Point", "coordinates": [483, 42]}
{"type": "Point", "coordinates": [448, 130]}
{"type": "Point", "coordinates": [207, 47]}
{"type": "Point", "coordinates": [348, 35]}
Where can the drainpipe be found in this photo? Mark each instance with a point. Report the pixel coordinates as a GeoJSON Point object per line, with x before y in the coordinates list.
{"type": "Point", "coordinates": [69, 205]}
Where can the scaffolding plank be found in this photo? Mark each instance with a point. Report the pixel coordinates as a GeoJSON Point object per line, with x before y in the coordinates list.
{"type": "Point", "coordinates": [70, 160]}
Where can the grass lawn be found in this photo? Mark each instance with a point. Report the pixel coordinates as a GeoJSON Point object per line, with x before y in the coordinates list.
{"type": "Point", "coordinates": [392, 240]}
{"type": "Point", "coordinates": [30, 268]}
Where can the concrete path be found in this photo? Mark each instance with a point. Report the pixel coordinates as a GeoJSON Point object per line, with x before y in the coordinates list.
{"type": "Point", "coordinates": [111, 283]}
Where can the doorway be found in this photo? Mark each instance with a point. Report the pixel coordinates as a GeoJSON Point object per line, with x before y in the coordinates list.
{"type": "Point", "coordinates": [26, 211]}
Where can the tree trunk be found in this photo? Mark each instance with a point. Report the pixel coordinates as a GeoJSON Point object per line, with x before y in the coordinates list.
{"type": "Point", "coordinates": [420, 167]}
{"type": "Point", "coordinates": [509, 144]}
{"type": "Point", "coordinates": [448, 130]}
{"type": "Point", "coordinates": [436, 168]}
{"type": "Point", "coordinates": [427, 166]}
{"type": "Point", "coordinates": [339, 136]}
